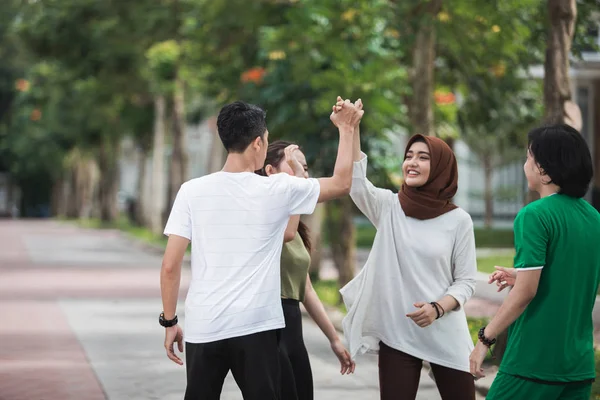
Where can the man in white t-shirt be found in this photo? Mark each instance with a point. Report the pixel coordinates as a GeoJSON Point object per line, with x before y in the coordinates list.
{"type": "Point", "coordinates": [235, 220]}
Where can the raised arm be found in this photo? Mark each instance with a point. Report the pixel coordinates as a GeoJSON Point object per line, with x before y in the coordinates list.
{"type": "Point", "coordinates": [346, 120]}
{"type": "Point", "coordinates": [369, 199]}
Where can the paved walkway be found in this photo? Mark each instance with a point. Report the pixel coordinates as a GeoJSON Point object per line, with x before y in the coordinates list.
{"type": "Point", "coordinates": [80, 310]}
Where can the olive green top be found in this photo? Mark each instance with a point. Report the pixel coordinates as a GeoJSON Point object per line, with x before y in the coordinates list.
{"type": "Point", "coordinates": [295, 260]}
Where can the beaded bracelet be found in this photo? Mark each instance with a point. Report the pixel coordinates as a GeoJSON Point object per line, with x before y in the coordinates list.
{"type": "Point", "coordinates": [484, 340]}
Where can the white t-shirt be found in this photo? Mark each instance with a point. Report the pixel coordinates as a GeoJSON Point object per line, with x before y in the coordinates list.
{"type": "Point", "coordinates": [411, 261]}
{"type": "Point", "coordinates": [236, 222]}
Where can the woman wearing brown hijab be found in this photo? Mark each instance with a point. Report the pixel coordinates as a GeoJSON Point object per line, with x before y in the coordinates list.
{"type": "Point", "coordinates": [406, 303]}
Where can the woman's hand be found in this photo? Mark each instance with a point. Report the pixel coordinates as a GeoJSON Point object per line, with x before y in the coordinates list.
{"type": "Point", "coordinates": [346, 364]}
{"type": "Point", "coordinates": [292, 161]}
{"type": "Point", "coordinates": [503, 277]}
{"type": "Point", "coordinates": [424, 316]}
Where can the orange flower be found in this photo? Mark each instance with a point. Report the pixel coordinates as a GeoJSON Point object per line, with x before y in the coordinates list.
{"type": "Point", "coordinates": [444, 98]}
{"type": "Point", "coordinates": [36, 114]}
{"type": "Point", "coordinates": [22, 85]}
{"type": "Point", "coordinates": [255, 75]}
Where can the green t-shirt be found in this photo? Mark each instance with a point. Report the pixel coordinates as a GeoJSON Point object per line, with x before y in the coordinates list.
{"type": "Point", "coordinates": [295, 261]}
{"type": "Point", "coordinates": [553, 339]}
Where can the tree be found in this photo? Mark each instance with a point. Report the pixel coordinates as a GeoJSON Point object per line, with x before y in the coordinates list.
{"type": "Point", "coordinates": [306, 65]}
{"type": "Point", "coordinates": [492, 119]}
{"type": "Point", "coordinates": [102, 44]}
{"type": "Point", "coordinates": [483, 51]}
{"type": "Point", "coordinates": [422, 78]}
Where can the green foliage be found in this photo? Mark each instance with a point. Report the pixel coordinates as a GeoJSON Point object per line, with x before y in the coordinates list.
{"type": "Point", "coordinates": [93, 67]}
{"type": "Point", "coordinates": [308, 64]}
{"type": "Point", "coordinates": [163, 58]}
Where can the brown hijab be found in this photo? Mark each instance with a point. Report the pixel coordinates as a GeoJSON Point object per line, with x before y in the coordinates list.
{"type": "Point", "coordinates": [434, 198]}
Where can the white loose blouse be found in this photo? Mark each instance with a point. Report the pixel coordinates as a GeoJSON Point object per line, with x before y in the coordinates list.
{"type": "Point", "coordinates": [411, 261]}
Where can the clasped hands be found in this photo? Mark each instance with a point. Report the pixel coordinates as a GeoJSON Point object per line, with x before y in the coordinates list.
{"type": "Point", "coordinates": [346, 114]}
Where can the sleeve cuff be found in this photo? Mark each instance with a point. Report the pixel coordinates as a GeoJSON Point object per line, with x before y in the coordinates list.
{"type": "Point", "coordinates": [359, 169]}
{"type": "Point", "coordinates": [460, 299]}
{"type": "Point", "coordinates": [182, 234]}
{"type": "Point", "coordinates": [528, 268]}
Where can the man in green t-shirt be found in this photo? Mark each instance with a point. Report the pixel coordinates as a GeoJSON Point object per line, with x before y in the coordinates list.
{"type": "Point", "coordinates": [548, 313]}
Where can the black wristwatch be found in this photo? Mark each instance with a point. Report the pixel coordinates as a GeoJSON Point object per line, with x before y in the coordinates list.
{"type": "Point", "coordinates": [166, 323]}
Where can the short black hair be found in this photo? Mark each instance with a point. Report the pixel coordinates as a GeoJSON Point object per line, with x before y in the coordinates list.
{"type": "Point", "coordinates": [239, 124]}
{"type": "Point", "coordinates": [565, 157]}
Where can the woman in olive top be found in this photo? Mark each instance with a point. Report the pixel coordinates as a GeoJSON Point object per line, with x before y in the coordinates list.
{"type": "Point", "coordinates": [296, 375]}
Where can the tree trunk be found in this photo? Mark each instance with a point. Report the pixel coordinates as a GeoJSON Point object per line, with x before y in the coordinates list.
{"type": "Point", "coordinates": [342, 238]}
{"type": "Point", "coordinates": [488, 191]}
{"type": "Point", "coordinates": [178, 171]}
{"type": "Point", "coordinates": [422, 72]}
{"type": "Point", "coordinates": [71, 194]}
{"type": "Point", "coordinates": [109, 178]}
{"type": "Point", "coordinates": [315, 224]}
{"type": "Point", "coordinates": [59, 203]}
{"type": "Point", "coordinates": [141, 203]}
{"type": "Point", "coordinates": [84, 182]}
{"type": "Point", "coordinates": [557, 89]}
{"type": "Point", "coordinates": [78, 194]}
{"type": "Point", "coordinates": [218, 155]}
{"type": "Point", "coordinates": [91, 184]}
{"type": "Point", "coordinates": [158, 165]}
{"type": "Point", "coordinates": [562, 15]}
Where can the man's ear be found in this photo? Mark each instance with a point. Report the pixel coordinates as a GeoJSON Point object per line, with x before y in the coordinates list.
{"type": "Point", "coordinates": [257, 143]}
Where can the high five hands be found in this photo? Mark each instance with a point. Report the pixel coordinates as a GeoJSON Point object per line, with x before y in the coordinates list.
{"type": "Point", "coordinates": [346, 114]}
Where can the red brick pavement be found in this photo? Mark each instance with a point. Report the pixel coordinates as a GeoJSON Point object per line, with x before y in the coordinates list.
{"type": "Point", "coordinates": [40, 356]}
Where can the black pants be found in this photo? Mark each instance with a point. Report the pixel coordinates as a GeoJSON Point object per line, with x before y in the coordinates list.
{"type": "Point", "coordinates": [296, 375]}
{"type": "Point", "coordinates": [399, 375]}
{"type": "Point", "coordinates": [252, 359]}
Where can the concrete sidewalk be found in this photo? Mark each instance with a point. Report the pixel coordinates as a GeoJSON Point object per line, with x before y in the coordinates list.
{"type": "Point", "coordinates": [80, 310]}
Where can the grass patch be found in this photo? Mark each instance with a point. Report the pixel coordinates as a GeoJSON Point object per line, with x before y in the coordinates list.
{"type": "Point", "coordinates": [123, 224]}
{"type": "Point", "coordinates": [495, 238]}
{"type": "Point", "coordinates": [484, 237]}
{"type": "Point", "coordinates": [486, 264]}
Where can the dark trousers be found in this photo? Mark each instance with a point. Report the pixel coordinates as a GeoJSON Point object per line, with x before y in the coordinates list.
{"type": "Point", "coordinates": [252, 359]}
{"type": "Point", "coordinates": [399, 375]}
{"type": "Point", "coordinates": [296, 374]}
